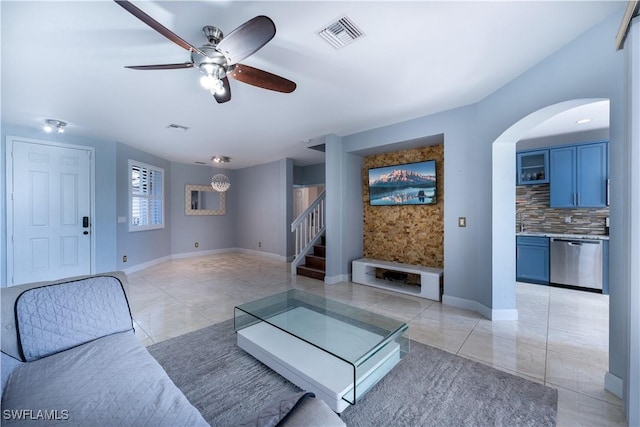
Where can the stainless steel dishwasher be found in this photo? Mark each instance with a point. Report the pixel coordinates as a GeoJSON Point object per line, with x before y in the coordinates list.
{"type": "Point", "coordinates": [576, 262]}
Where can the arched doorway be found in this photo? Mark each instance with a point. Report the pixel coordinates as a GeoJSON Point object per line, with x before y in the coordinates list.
{"type": "Point", "coordinates": [504, 202]}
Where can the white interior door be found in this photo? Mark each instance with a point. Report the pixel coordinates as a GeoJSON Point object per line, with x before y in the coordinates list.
{"type": "Point", "coordinates": [300, 201]}
{"type": "Point", "coordinates": [48, 211]}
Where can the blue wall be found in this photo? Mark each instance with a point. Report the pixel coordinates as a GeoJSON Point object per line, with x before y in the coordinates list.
{"type": "Point", "coordinates": [264, 208]}
{"type": "Point", "coordinates": [140, 246]}
{"type": "Point", "coordinates": [211, 232]}
{"type": "Point", "coordinates": [309, 175]}
{"type": "Point", "coordinates": [589, 67]}
{"type": "Point", "coordinates": [477, 273]}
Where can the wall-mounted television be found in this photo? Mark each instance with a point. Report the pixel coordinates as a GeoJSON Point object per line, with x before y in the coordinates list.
{"type": "Point", "coordinates": [408, 184]}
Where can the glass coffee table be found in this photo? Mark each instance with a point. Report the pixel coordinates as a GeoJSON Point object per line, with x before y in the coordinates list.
{"type": "Point", "coordinates": [329, 348]}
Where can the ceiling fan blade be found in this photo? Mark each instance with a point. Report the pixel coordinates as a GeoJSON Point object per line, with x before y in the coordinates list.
{"type": "Point", "coordinates": [226, 95]}
{"type": "Point", "coordinates": [138, 13]}
{"type": "Point", "coordinates": [161, 67]}
{"type": "Point", "coordinates": [247, 39]}
{"type": "Point", "coordinates": [263, 79]}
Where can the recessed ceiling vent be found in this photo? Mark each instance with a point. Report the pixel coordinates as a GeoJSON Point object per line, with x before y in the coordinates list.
{"type": "Point", "coordinates": [177, 128]}
{"type": "Point", "coordinates": [341, 33]}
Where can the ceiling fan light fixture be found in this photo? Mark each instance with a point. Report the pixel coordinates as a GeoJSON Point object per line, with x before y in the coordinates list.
{"type": "Point", "coordinates": [207, 68]}
{"type": "Point", "coordinates": [217, 59]}
{"type": "Point", "coordinates": [212, 84]}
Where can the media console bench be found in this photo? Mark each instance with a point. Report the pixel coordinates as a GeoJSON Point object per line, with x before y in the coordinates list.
{"type": "Point", "coordinates": [430, 283]}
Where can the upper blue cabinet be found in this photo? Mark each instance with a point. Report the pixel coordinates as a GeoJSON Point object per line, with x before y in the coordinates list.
{"type": "Point", "coordinates": [533, 167]}
{"type": "Point", "coordinates": [578, 176]}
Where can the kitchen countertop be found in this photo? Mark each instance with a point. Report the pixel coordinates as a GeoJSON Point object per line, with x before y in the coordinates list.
{"type": "Point", "coordinates": [564, 236]}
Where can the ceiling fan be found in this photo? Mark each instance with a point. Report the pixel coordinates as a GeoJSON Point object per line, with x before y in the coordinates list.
{"type": "Point", "coordinates": [219, 58]}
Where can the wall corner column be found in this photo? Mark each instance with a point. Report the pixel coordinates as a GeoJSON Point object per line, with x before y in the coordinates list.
{"type": "Point", "coordinates": [334, 172]}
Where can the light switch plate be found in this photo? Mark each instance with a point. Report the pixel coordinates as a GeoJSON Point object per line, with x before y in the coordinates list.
{"type": "Point", "coordinates": [462, 221]}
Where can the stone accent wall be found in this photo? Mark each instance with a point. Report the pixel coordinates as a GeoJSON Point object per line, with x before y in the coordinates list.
{"type": "Point", "coordinates": [408, 234]}
{"type": "Point", "coordinates": [532, 206]}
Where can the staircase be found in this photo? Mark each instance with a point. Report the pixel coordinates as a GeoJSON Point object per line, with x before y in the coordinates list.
{"type": "Point", "coordinates": [314, 264]}
{"type": "Point", "coordinates": [309, 230]}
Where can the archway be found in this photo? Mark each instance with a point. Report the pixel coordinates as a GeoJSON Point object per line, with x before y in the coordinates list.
{"type": "Point", "coordinates": [504, 201]}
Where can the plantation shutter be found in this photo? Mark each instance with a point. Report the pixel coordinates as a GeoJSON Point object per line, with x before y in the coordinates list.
{"type": "Point", "coordinates": [147, 197]}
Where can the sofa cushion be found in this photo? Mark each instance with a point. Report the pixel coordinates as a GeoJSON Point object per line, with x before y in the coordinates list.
{"type": "Point", "coordinates": [107, 382]}
{"type": "Point", "coordinates": [57, 317]}
{"type": "Point", "coordinates": [9, 336]}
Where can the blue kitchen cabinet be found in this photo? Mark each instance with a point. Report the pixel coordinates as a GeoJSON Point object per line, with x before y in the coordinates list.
{"type": "Point", "coordinates": [532, 167]}
{"type": "Point", "coordinates": [578, 176]}
{"type": "Point", "coordinates": [532, 259]}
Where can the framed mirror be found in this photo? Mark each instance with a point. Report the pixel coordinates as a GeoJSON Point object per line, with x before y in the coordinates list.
{"type": "Point", "coordinates": [203, 200]}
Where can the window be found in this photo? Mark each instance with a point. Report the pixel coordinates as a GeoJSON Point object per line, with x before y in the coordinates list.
{"type": "Point", "coordinates": [146, 197]}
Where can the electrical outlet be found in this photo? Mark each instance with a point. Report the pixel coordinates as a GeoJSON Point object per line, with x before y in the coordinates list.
{"type": "Point", "coordinates": [197, 244]}
{"type": "Point", "coordinates": [462, 221]}
{"type": "Point", "coordinates": [259, 244]}
{"type": "Point", "coordinates": [124, 258]}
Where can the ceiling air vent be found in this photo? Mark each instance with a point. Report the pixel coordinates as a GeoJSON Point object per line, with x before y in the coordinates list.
{"type": "Point", "coordinates": [177, 128]}
{"type": "Point", "coordinates": [341, 33]}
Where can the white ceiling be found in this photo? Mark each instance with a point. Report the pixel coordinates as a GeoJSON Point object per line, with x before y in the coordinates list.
{"type": "Point", "coordinates": [65, 60]}
{"type": "Point", "coordinates": [571, 121]}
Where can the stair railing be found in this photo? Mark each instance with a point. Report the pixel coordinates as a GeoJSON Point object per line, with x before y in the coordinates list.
{"type": "Point", "coordinates": [308, 228]}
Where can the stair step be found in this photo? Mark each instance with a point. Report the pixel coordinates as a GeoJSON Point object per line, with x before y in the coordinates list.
{"type": "Point", "coordinates": [320, 250]}
{"type": "Point", "coordinates": [315, 261]}
{"type": "Point", "coordinates": [314, 273]}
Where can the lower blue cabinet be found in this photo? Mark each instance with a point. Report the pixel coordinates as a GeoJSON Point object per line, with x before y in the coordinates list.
{"type": "Point", "coordinates": [532, 259]}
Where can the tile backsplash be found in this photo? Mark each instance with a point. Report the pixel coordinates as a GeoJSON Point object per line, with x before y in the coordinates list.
{"type": "Point", "coordinates": [532, 207]}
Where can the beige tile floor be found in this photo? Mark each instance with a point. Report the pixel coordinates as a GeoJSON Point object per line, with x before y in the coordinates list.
{"type": "Point", "coordinates": [560, 340]}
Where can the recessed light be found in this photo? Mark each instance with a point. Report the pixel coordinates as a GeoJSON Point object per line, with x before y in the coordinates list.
{"type": "Point", "coordinates": [583, 121]}
{"type": "Point", "coordinates": [52, 124]}
{"type": "Point", "coordinates": [220, 159]}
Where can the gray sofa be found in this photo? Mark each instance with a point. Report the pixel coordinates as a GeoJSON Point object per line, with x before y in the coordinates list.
{"type": "Point", "coordinates": [70, 357]}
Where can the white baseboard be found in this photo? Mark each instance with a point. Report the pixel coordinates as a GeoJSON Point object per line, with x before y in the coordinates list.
{"type": "Point", "coordinates": [504, 314]}
{"type": "Point", "coordinates": [202, 253]}
{"type": "Point", "coordinates": [466, 304]}
{"type": "Point", "coordinates": [262, 253]}
{"type": "Point", "coordinates": [184, 255]}
{"type": "Point", "coordinates": [613, 384]}
{"type": "Point", "coordinates": [147, 264]}
{"type": "Point", "coordinates": [332, 280]}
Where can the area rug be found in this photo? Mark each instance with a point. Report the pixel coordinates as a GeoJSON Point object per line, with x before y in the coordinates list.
{"type": "Point", "coordinates": [429, 387]}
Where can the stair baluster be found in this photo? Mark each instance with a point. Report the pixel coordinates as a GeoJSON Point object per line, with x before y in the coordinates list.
{"type": "Point", "coordinates": [308, 228]}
